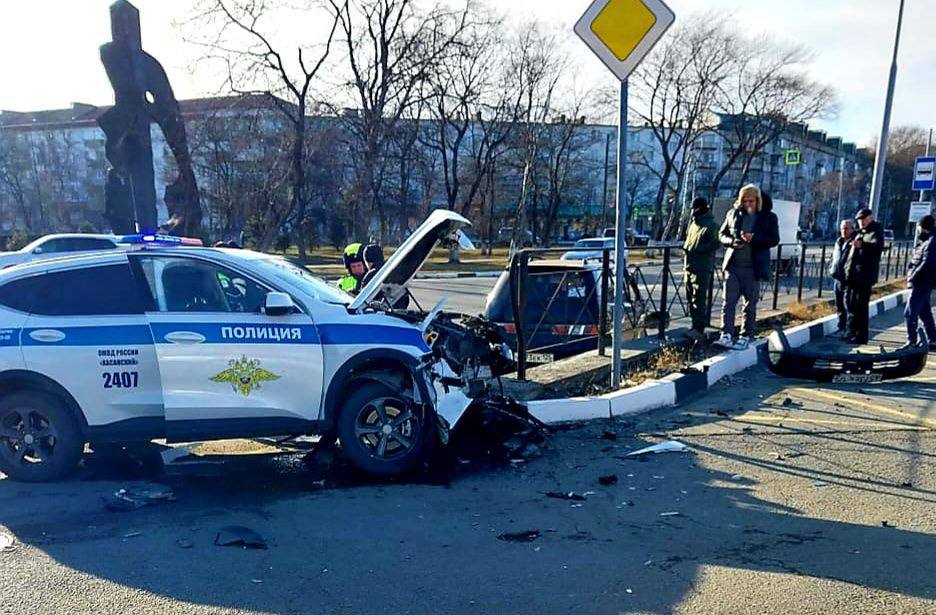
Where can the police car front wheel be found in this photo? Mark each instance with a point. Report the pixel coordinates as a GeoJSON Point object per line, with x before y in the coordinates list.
{"type": "Point", "coordinates": [382, 432]}
{"type": "Point", "coordinates": [39, 438]}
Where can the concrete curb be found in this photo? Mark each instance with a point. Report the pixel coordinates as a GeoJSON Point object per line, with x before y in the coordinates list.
{"type": "Point", "coordinates": [677, 388]}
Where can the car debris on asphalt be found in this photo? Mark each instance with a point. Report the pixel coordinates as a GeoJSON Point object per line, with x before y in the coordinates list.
{"type": "Point", "coordinates": [525, 536]}
{"type": "Point", "coordinates": [571, 496]}
{"type": "Point", "coordinates": [7, 542]}
{"type": "Point", "coordinates": [125, 500]}
{"type": "Point", "coordinates": [607, 481]}
{"type": "Point", "coordinates": [239, 536]}
{"type": "Point", "coordinates": [670, 446]}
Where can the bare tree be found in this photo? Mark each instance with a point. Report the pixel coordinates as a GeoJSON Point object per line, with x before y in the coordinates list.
{"type": "Point", "coordinates": [675, 87]}
{"type": "Point", "coordinates": [390, 47]}
{"type": "Point", "coordinates": [242, 154]}
{"type": "Point", "coordinates": [237, 33]}
{"type": "Point", "coordinates": [767, 91]}
{"type": "Point", "coordinates": [537, 66]}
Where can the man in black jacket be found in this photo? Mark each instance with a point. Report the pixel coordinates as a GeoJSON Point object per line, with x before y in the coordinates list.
{"type": "Point", "coordinates": [862, 269]}
{"type": "Point", "coordinates": [921, 278]}
{"type": "Point", "coordinates": [837, 271]}
{"type": "Point", "coordinates": [766, 237]}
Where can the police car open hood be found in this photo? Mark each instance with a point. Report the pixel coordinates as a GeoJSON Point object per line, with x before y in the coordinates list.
{"type": "Point", "coordinates": [441, 226]}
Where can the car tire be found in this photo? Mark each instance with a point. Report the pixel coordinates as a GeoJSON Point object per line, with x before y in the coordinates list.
{"type": "Point", "coordinates": [382, 432]}
{"type": "Point", "coordinates": [40, 439]}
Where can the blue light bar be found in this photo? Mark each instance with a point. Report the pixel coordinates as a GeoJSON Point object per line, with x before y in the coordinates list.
{"type": "Point", "coordinates": [155, 239]}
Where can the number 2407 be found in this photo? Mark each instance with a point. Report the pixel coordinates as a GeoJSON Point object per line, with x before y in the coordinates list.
{"type": "Point", "coordinates": [121, 380]}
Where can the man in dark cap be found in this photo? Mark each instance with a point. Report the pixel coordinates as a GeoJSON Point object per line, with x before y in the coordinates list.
{"type": "Point", "coordinates": [700, 247]}
{"type": "Point", "coordinates": [862, 270]}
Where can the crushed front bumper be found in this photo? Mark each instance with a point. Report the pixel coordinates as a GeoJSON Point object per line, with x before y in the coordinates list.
{"type": "Point", "coordinates": [844, 368]}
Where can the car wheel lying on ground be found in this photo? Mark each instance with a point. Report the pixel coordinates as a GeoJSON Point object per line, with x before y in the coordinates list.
{"type": "Point", "coordinates": [169, 340]}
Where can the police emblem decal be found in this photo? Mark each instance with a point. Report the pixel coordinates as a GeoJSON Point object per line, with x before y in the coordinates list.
{"type": "Point", "coordinates": [245, 375]}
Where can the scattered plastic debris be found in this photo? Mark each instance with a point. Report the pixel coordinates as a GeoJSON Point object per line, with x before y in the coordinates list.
{"type": "Point", "coordinates": [239, 536]}
{"type": "Point", "coordinates": [670, 514]}
{"type": "Point", "coordinates": [125, 500]}
{"type": "Point", "coordinates": [525, 536]}
{"type": "Point", "coordinates": [787, 402]}
{"type": "Point", "coordinates": [737, 477]}
{"type": "Point", "coordinates": [607, 481]}
{"type": "Point", "coordinates": [886, 523]}
{"type": "Point", "coordinates": [7, 542]}
{"type": "Point", "coordinates": [132, 534]}
{"type": "Point", "coordinates": [184, 543]}
{"type": "Point", "coordinates": [670, 446]}
{"type": "Point", "coordinates": [820, 483]}
{"type": "Point", "coordinates": [576, 497]}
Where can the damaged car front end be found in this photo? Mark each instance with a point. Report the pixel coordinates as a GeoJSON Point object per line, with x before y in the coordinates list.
{"type": "Point", "coordinates": [844, 368]}
{"type": "Point", "coordinates": [460, 374]}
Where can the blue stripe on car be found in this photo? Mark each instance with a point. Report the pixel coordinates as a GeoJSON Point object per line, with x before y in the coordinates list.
{"type": "Point", "coordinates": [239, 332]}
{"type": "Point", "coordinates": [337, 334]}
{"type": "Point", "coordinates": [9, 337]}
{"type": "Point", "coordinates": [225, 333]}
{"type": "Point", "coordinates": [110, 335]}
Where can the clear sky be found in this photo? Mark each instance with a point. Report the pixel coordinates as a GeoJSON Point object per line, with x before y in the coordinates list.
{"type": "Point", "coordinates": [49, 50]}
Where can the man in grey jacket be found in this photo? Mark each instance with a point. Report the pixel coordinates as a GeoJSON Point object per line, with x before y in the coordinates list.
{"type": "Point", "coordinates": [736, 234]}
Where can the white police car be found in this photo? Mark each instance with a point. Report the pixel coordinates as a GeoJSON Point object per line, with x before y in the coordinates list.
{"type": "Point", "coordinates": [204, 343]}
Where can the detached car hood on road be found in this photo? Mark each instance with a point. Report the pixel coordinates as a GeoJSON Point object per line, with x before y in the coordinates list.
{"type": "Point", "coordinates": [442, 226]}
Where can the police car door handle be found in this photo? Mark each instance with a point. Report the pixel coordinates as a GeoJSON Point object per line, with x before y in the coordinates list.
{"type": "Point", "coordinates": [185, 337]}
{"type": "Point", "coordinates": [47, 335]}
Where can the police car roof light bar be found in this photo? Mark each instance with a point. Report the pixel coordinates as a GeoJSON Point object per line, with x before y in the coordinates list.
{"type": "Point", "coordinates": [156, 239]}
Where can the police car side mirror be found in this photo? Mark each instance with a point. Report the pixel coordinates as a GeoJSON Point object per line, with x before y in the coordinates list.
{"type": "Point", "coordinates": [278, 304]}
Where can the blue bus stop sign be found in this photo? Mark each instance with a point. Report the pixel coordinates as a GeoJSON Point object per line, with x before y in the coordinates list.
{"type": "Point", "coordinates": [924, 173]}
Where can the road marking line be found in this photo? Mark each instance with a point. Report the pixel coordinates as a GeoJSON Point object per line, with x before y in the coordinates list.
{"type": "Point", "coordinates": [840, 398]}
{"type": "Point", "coordinates": [783, 419]}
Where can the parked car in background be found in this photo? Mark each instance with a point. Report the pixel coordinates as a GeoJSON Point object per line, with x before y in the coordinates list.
{"type": "Point", "coordinates": [562, 309]}
{"type": "Point", "coordinates": [506, 234]}
{"type": "Point", "coordinates": [888, 238]}
{"type": "Point", "coordinates": [592, 248]}
{"type": "Point", "coordinates": [55, 246]}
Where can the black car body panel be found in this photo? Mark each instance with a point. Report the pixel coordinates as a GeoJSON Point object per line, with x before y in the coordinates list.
{"type": "Point", "coordinates": [844, 368]}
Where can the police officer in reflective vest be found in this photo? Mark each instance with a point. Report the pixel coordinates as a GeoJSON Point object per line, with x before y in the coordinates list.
{"type": "Point", "coordinates": [353, 258]}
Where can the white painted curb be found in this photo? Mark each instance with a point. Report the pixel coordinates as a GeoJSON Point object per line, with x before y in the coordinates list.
{"type": "Point", "coordinates": [662, 393]}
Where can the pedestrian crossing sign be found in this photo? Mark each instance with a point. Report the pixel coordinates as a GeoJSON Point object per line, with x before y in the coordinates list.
{"type": "Point", "coordinates": [792, 157]}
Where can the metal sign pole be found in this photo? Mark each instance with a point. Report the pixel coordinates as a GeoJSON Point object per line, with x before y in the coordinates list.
{"type": "Point", "coordinates": [929, 143]}
{"type": "Point", "coordinates": [877, 180]}
{"type": "Point", "coordinates": [619, 233]}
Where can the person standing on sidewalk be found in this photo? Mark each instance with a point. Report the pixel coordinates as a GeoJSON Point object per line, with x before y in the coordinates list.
{"type": "Point", "coordinates": [921, 278]}
{"type": "Point", "coordinates": [700, 247]}
{"type": "Point", "coordinates": [862, 270]}
{"type": "Point", "coordinates": [736, 235]}
{"type": "Point", "coordinates": [837, 272]}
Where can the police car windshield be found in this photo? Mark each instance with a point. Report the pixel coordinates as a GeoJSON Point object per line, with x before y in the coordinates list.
{"type": "Point", "coordinates": [300, 277]}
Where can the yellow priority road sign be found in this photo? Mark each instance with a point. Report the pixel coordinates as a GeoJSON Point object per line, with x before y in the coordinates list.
{"type": "Point", "coordinates": [622, 32]}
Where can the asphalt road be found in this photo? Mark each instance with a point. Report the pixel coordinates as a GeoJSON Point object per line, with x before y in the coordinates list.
{"type": "Point", "coordinates": [781, 507]}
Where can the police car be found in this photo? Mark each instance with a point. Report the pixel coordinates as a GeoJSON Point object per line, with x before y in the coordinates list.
{"type": "Point", "coordinates": [193, 344]}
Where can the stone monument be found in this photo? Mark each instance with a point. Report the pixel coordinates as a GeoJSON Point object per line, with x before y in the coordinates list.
{"type": "Point", "coordinates": [142, 96]}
